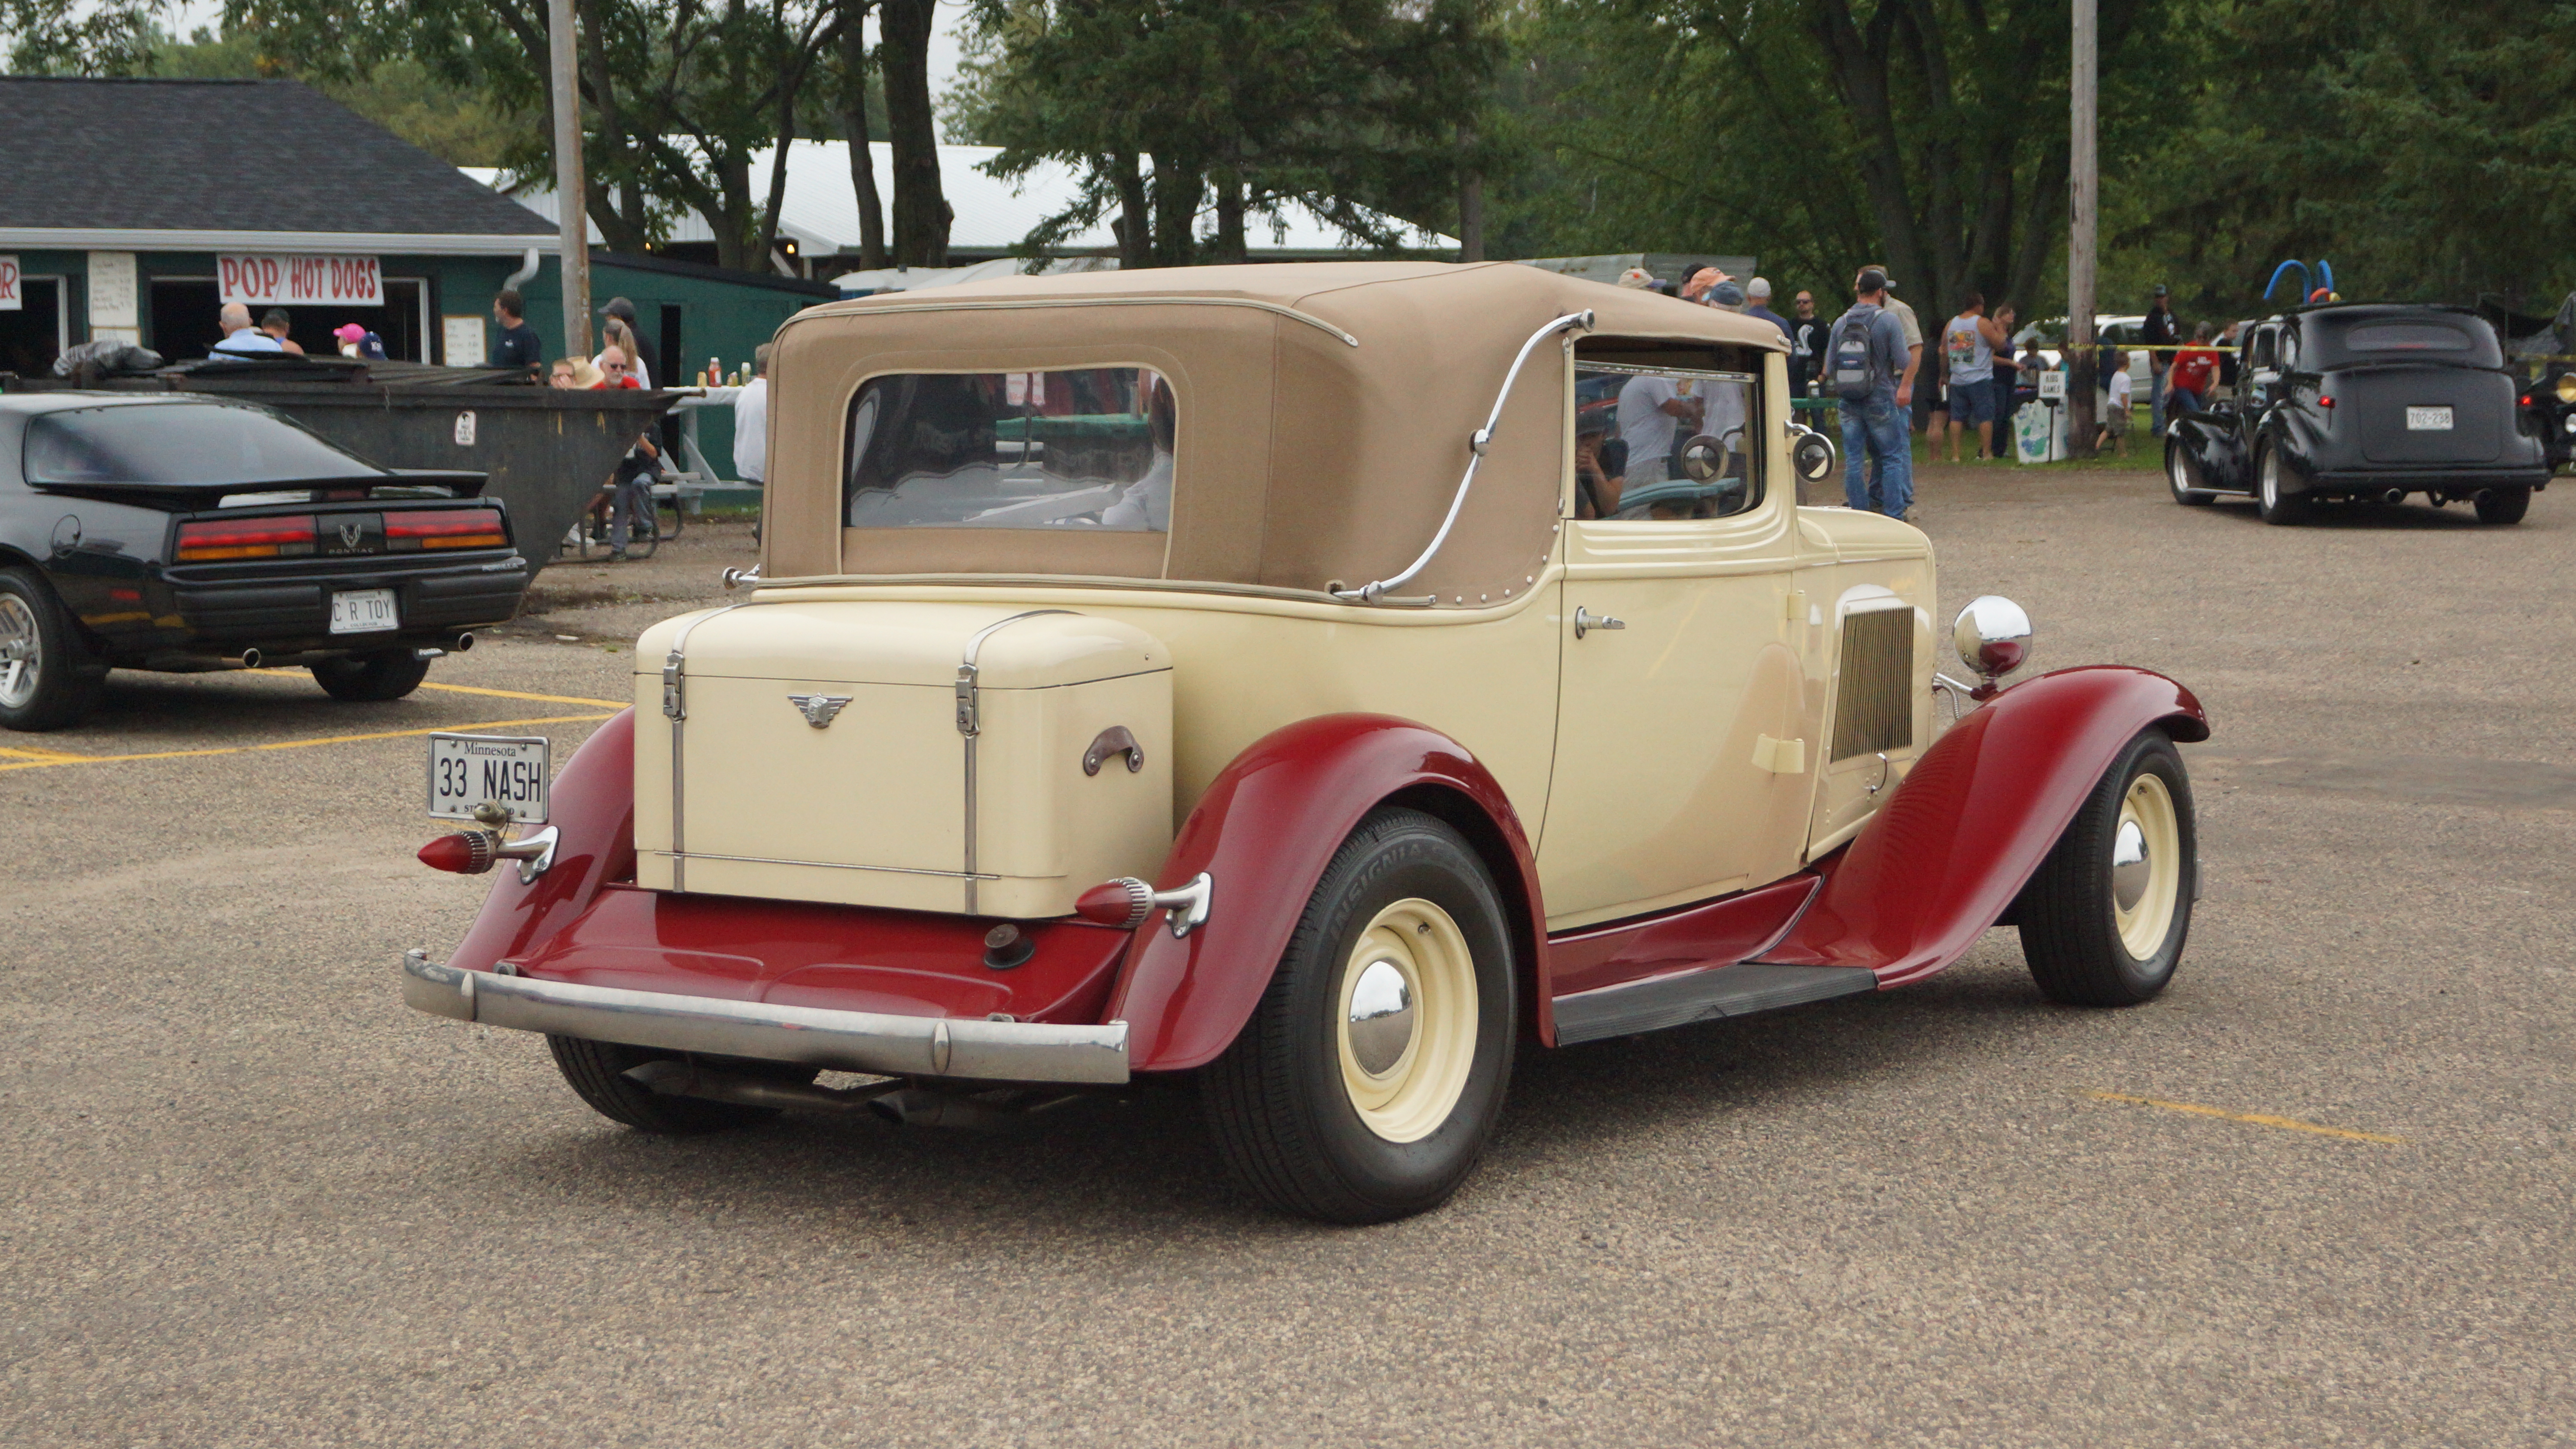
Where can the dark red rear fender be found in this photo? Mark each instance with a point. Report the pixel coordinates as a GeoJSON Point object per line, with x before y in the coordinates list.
{"type": "Point", "coordinates": [1264, 833]}
{"type": "Point", "coordinates": [1942, 859]}
{"type": "Point", "coordinates": [592, 807]}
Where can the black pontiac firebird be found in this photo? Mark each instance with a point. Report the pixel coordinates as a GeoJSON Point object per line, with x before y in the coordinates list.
{"type": "Point", "coordinates": [2363, 401]}
{"type": "Point", "coordinates": [184, 533]}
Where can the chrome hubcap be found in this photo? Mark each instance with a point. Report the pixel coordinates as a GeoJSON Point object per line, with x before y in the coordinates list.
{"type": "Point", "coordinates": [1405, 1025]}
{"type": "Point", "coordinates": [2130, 868]}
{"type": "Point", "coordinates": [21, 651]}
{"type": "Point", "coordinates": [2146, 866]}
{"type": "Point", "coordinates": [1381, 1018]}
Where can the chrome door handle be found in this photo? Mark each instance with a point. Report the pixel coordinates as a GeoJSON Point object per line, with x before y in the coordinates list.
{"type": "Point", "coordinates": [1585, 623]}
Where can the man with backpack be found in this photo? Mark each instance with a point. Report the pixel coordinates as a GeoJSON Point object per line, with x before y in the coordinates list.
{"type": "Point", "coordinates": [1871, 372]}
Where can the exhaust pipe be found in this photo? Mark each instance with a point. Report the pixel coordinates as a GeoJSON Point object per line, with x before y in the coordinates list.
{"type": "Point", "coordinates": [670, 1078]}
{"type": "Point", "coordinates": [2393, 495]}
{"type": "Point", "coordinates": [250, 659]}
{"type": "Point", "coordinates": [925, 1107]}
{"type": "Point", "coordinates": [463, 643]}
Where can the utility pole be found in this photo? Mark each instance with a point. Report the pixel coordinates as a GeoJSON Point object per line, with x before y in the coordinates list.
{"type": "Point", "coordinates": [1471, 199]}
{"type": "Point", "coordinates": [572, 238]}
{"type": "Point", "coordinates": [2084, 188]}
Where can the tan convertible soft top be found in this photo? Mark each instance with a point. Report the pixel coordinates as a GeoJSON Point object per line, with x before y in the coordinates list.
{"type": "Point", "coordinates": [1325, 410]}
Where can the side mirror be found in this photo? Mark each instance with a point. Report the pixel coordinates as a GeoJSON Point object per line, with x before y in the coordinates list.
{"type": "Point", "coordinates": [1993, 635]}
{"type": "Point", "coordinates": [1704, 459]}
{"type": "Point", "coordinates": [1812, 456]}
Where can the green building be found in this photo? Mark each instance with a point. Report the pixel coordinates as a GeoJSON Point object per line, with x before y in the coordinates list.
{"type": "Point", "coordinates": [136, 208]}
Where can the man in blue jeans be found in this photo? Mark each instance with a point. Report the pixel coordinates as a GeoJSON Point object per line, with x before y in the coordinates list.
{"type": "Point", "coordinates": [1871, 370]}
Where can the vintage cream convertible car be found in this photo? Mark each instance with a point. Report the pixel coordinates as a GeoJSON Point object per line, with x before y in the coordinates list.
{"type": "Point", "coordinates": [1213, 672]}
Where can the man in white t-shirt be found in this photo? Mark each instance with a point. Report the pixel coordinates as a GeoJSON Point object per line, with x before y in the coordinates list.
{"type": "Point", "coordinates": [751, 420]}
{"type": "Point", "coordinates": [1651, 408]}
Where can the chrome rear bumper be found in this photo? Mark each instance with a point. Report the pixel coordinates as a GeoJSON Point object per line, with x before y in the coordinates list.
{"type": "Point", "coordinates": [849, 1041]}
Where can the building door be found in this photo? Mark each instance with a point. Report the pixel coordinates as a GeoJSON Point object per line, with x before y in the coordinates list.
{"type": "Point", "coordinates": [32, 336]}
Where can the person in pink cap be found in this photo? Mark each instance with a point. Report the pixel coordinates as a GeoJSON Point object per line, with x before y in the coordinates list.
{"type": "Point", "coordinates": [357, 341]}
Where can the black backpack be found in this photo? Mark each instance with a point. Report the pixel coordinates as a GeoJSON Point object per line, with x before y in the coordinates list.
{"type": "Point", "coordinates": [1849, 361]}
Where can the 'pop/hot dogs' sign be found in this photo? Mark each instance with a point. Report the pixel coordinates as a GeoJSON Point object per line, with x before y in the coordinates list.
{"type": "Point", "coordinates": [283, 280]}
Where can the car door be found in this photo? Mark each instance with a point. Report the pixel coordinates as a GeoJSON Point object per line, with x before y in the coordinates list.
{"type": "Point", "coordinates": [1679, 773]}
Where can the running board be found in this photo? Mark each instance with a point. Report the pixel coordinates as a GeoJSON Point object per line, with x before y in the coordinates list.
{"type": "Point", "coordinates": [1704, 995]}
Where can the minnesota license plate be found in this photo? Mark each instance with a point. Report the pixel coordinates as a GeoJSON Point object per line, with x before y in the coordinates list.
{"type": "Point", "coordinates": [466, 771]}
{"type": "Point", "coordinates": [364, 611]}
{"type": "Point", "coordinates": [2428, 420]}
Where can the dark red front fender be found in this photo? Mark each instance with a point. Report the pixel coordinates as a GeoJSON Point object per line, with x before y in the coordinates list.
{"type": "Point", "coordinates": [592, 807]}
{"type": "Point", "coordinates": [1942, 859]}
{"type": "Point", "coordinates": [1264, 833]}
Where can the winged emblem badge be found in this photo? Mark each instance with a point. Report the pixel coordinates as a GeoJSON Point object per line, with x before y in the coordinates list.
{"type": "Point", "coordinates": [819, 709]}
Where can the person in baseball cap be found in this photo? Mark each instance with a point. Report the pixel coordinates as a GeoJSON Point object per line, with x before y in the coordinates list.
{"type": "Point", "coordinates": [624, 311]}
{"type": "Point", "coordinates": [1757, 295]}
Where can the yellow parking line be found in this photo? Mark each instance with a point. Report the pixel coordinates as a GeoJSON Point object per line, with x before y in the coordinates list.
{"type": "Point", "coordinates": [495, 693]}
{"type": "Point", "coordinates": [498, 724]}
{"type": "Point", "coordinates": [2257, 1118]}
{"type": "Point", "coordinates": [541, 698]}
{"type": "Point", "coordinates": [47, 755]}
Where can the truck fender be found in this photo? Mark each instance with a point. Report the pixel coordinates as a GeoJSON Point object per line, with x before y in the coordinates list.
{"type": "Point", "coordinates": [592, 808]}
{"type": "Point", "coordinates": [1942, 860]}
{"type": "Point", "coordinates": [1264, 832]}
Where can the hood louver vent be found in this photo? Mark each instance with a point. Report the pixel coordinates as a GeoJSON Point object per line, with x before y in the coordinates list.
{"type": "Point", "coordinates": [1874, 706]}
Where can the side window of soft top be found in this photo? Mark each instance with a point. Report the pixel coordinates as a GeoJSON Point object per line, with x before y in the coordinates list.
{"type": "Point", "coordinates": [1667, 431]}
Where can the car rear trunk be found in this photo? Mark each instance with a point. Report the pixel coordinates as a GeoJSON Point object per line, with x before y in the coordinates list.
{"type": "Point", "coordinates": [2425, 415]}
{"type": "Point", "coordinates": [979, 759]}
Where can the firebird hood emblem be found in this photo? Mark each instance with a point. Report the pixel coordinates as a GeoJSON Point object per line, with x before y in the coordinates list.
{"type": "Point", "coordinates": [819, 709]}
{"type": "Point", "coordinates": [349, 534]}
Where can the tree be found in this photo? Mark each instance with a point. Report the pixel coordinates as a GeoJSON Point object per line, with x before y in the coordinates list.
{"type": "Point", "coordinates": [1173, 108]}
{"type": "Point", "coordinates": [2429, 153]}
{"type": "Point", "coordinates": [1816, 134]}
{"type": "Point", "coordinates": [681, 93]}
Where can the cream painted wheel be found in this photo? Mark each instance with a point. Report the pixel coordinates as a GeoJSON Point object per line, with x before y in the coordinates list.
{"type": "Point", "coordinates": [1369, 1076]}
{"type": "Point", "coordinates": [1407, 1023]}
{"type": "Point", "coordinates": [2104, 918]}
{"type": "Point", "coordinates": [2146, 866]}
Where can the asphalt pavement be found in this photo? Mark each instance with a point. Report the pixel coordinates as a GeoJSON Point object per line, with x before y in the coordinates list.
{"type": "Point", "coordinates": [2318, 1193]}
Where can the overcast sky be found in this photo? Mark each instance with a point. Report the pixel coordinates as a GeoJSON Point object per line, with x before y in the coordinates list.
{"type": "Point", "coordinates": [943, 41]}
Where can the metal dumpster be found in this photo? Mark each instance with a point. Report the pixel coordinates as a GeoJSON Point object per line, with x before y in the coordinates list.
{"type": "Point", "coordinates": [545, 450]}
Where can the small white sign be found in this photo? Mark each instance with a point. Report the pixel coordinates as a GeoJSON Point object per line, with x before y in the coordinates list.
{"type": "Point", "coordinates": [112, 309]}
{"type": "Point", "coordinates": [288, 280]}
{"type": "Point", "coordinates": [465, 429]}
{"type": "Point", "coordinates": [2428, 420]}
{"type": "Point", "coordinates": [464, 338]}
{"type": "Point", "coordinates": [10, 300]}
{"type": "Point", "coordinates": [2052, 385]}
{"type": "Point", "coordinates": [470, 770]}
{"type": "Point", "coordinates": [364, 611]}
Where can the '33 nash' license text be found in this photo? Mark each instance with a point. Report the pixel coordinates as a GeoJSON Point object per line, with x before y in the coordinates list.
{"type": "Point", "coordinates": [466, 771]}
